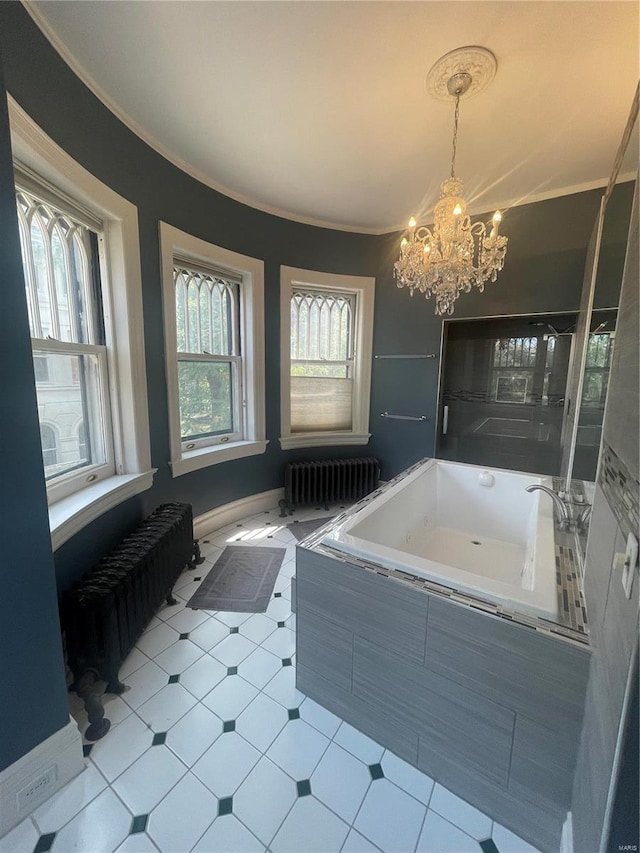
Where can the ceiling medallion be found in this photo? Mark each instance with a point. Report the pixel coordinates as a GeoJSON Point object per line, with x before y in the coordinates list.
{"type": "Point", "coordinates": [478, 62]}
{"type": "Point", "coordinates": [446, 261]}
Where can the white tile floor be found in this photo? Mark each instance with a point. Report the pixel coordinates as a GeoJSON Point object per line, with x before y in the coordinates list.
{"type": "Point", "coordinates": [229, 757]}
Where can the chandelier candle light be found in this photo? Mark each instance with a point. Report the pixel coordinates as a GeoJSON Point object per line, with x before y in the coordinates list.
{"type": "Point", "coordinates": [444, 262]}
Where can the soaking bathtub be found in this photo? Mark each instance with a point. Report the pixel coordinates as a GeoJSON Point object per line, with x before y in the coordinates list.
{"type": "Point", "coordinates": [465, 527]}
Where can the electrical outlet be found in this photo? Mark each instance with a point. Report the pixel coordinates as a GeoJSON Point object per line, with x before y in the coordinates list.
{"type": "Point", "coordinates": [629, 568]}
{"type": "Point", "coordinates": [37, 790]}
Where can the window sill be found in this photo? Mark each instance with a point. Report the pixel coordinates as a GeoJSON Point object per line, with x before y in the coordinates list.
{"type": "Point", "coordinates": [323, 439]}
{"type": "Point", "coordinates": [69, 515]}
{"type": "Point", "coordinates": [202, 457]}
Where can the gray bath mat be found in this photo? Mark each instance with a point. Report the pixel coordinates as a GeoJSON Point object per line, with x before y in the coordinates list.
{"type": "Point", "coordinates": [302, 529]}
{"type": "Point", "coordinates": [241, 579]}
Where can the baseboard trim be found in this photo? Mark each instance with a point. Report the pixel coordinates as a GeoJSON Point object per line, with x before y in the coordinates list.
{"type": "Point", "coordinates": [48, 767]}
{"type": "Point", "coordinates": [225, 514]}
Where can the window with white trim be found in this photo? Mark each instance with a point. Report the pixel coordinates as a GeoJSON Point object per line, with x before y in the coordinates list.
{"type": "Point", "coordinates": [81, 254]}
{"type": "Point", "coordinates": [213, 309]}
{"type": "Point", "coordinates": [208, 353]}
{"type": "Point", "coordinates": [327, 325]}
{"type": "Point", "coordinates": [61, 269]}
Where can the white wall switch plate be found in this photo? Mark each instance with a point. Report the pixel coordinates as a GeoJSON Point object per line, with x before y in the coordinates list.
{"type": "Point", "coordinates": [629, 568]}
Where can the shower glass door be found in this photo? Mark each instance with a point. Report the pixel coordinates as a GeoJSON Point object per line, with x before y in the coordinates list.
{"type": "Point", "coordinates": [502, 396]}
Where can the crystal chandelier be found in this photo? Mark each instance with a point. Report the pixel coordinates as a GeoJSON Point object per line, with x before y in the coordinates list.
{"type": "Point", "coordinates": [457, 254]}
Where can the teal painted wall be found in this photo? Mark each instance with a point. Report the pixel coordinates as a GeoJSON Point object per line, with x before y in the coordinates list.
{"type": "Point", "coordinates": [543, 273]}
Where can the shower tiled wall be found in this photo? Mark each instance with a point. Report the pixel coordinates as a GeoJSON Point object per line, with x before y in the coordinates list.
{"type": "Point", "coordinates": [613, 619]}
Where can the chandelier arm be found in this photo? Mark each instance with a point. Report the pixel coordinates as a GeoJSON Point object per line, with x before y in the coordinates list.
{"type": "Point", "coordinates": [479, 228]}
{"type": "Point", "coordinates": [423, 233]}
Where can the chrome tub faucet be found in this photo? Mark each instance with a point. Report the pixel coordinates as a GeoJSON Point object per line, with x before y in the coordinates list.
{"type": "Point", "coordinates": [564, 518]}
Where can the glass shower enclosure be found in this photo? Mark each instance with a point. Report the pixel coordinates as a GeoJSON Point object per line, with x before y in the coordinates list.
{"type": "Point", "coordinates": [503, 387]}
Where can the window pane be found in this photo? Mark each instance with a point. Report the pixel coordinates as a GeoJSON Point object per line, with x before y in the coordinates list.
{"type": "Point", "coordinates": [319, 404]}
{"type": "Point", "coordinates": [512, 386]}
{"type": "Point", "coordinates": [71, 397]}
{"type": "Point", "coordinates": [205, 312]}
{"type": "Point", "coordinates": [302, 368]}
{"type": "Point", "coordinates": [41, 368]}
{"type": "Point", "coordinates": [49, 445]}
{"type": "Point", "coordinates": [58, 278]}
{"type": "Point", "coordinates": [599, 350]}
{"type": "Point", "coordinates": [321, 325]}
{"type": "Point", "coordinates": [206, 398]}
{"type": "Point", "coordinates": [595, 386]}
{"type": "Point", "coordinates": [36, 247]}
{"type": "Point", "coordinates": [515, 352]}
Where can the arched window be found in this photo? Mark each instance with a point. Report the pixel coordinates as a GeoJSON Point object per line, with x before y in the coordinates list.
{"type": "Point", "coordinates": [49, 445]}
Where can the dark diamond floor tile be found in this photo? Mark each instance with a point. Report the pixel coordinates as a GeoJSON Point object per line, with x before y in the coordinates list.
{"type": "Point", "coordinates": [286, 661]}
{"type": "Point", "coordinates": [174, 679]}
{"type": "Point", "coordinates": [304, 788]}
{"type": "Point", "coordinates": [86, 749]}
{"type": "Point", "coordinates": [376, 771]}
{"type": "Point", "coordinates": [489, 846]}
{"type": "Point", "coordinates": [139, 824]}
{"type": "Point", "coordinates": [184, 636]}
{"type": "Point", "coordinates": [294, 713]}
{"type": "Point", "coordinates": [229, 726]}
{"type": "Point", "coordinates": [159, 739]}
{"type": "Point", "coordinates": [44, 843]}
{"type": "Point", "coordinates": [277, 595]}
{"type": "Point", "coordinates": [280, 624]}
{"type": "Point", "coordinates": [233, 630]}
{"type": "Point", "coordinates": [225, 806]}
{"type": "Point", "coordinates": [232, 670]}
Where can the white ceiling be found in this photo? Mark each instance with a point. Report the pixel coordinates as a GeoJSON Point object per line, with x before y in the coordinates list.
{"type": "Point", "coordinates": [318, 110]}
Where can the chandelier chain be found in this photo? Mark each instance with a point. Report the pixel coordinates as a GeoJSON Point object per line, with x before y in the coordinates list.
{"type": "Point", "coordinates": [455, 137]}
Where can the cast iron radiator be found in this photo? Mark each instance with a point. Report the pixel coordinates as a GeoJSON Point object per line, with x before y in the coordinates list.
{"type": "Point", "coordinates": [328, 482]}
{"type": "Point", "coordinates": [105, 613]}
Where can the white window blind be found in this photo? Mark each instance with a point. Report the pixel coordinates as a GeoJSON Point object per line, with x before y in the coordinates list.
{"type": "Point", "coordinates": [321, 360]}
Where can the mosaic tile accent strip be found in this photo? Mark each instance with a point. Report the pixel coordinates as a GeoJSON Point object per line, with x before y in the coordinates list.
{"type": "Point", "coordinates": [571, 603]}
{"type": "Point", "coordinates": [563, 632]}
{"type": "Point", "coordinates": [621, 489]}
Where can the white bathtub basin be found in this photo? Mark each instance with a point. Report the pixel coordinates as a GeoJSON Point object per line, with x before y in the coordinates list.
{"type": "Point", "coordinates": [439, 522]}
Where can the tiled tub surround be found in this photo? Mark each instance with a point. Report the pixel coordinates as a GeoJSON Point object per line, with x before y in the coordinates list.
{"type": "Point", "coordinates": [463, 526]}
{"type": "Point", "coordinates": [487, 707]}
{"type": "Point", "coordinates": [212, 748]}
{"type": "Point", "coordinates": [487, 701]}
